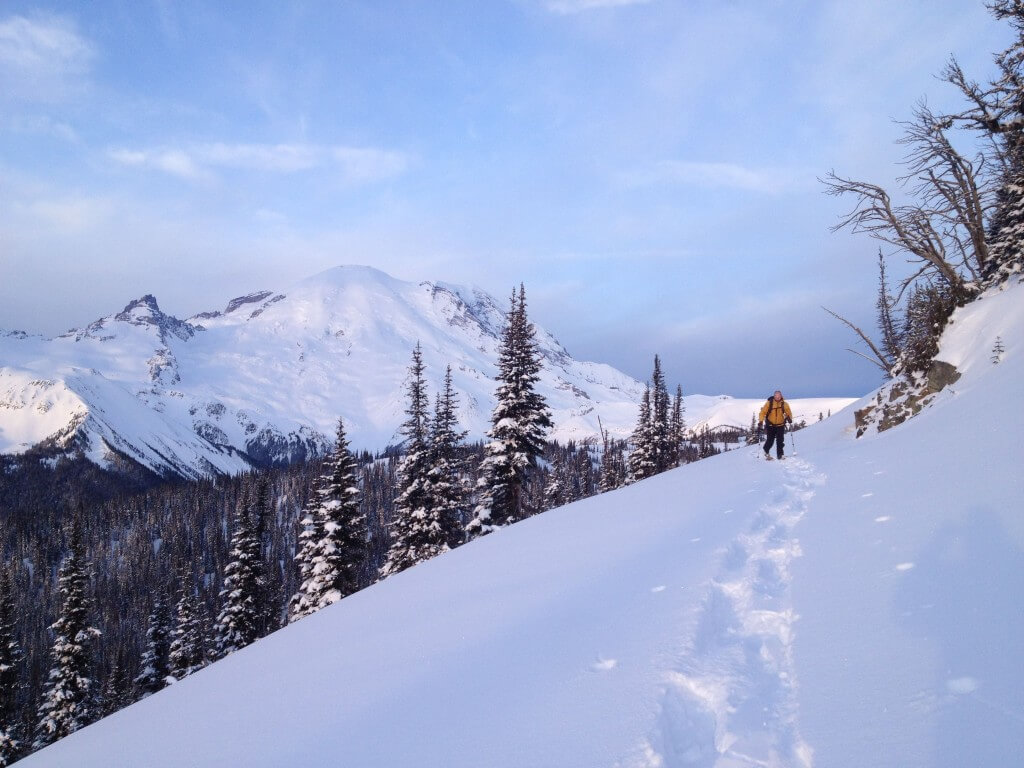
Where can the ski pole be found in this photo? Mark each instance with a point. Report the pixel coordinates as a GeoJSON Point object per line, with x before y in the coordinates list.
{"type": "Point", "coordinates": [792, 437]}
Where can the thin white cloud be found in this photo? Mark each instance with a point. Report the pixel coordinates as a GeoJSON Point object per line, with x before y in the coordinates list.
{"type": "Point", "coordinates": [354, 164]}
{"type": "Point", "coordinates": [42, 59]}
{"type": "Point", "coordinates": [715, 176]}
{"type": "Point", "coordinates": [363, 164]}
{"type": "Point", "coordinates": [276, 158]}
{"type": "Point", "coordinates": [566, 7]}
{"type": "Point", "coordinates": [72, 215]}
{"type": "Point", "coordinates": [43, 125]}
{"type": "Point", "coordinates": [171, 161]}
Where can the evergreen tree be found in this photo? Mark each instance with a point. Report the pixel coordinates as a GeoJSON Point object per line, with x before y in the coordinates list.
{"type": "Point", "coordinates": [116, 690]}
{"type": "Point", "coordinates": [268, 607]}
{"type": "Point", "coordinates": [155, 658]}
{"type": "Point", "coordinates": [10, 660]}
{"type": "Point", "coordinates": [66, 704]}
{"type": "Point", "coordinates": [677, 429]}
{"type": "Point", "coordinates": [239, 618]}
{"type": "Point", "coordinates": [753, 438]}
{"type": "Point", "coordinates": [519, 423]}
{"type": "Point", "coordinates": [664, 453]}
{"type": "Point", "coordinates": [927, 312]}
{"type": "Point", "coordinates": [612, 470]}
{"type": "Point", "coordinates": [417, 533]}
{"type": "Point", "coordinates": [447, 490]}
{"type": "Point", "coordinates": [334, 543]}
{"type": "Point", "coordinates": [554, 488]}
{"type": "Point", "coordinates": [575, 473]}
{"type": "Point", "coordinates": [884, 305]}
{"type": "Point", "coordinates": [643, 459]}
{"type": "Point", "coordinates": [998, 113]}
{"type": "Point", "coordinates": [187, 653]}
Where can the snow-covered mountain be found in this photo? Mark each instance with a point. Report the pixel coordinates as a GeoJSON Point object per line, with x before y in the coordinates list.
{"type": "Point", "coordinates": [266, 378]}
{"type": "Point", "coordinates": [857, 605]}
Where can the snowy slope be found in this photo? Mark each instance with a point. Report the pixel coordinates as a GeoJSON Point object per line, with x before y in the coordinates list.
{"type": "Point", "coordinates": [857, 605]}
{"type": "Point", "coordinates": [265, 379]}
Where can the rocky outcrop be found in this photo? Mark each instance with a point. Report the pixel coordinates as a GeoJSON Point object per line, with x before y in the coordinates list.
{"type": "Point", "coordinates": [905, 398]}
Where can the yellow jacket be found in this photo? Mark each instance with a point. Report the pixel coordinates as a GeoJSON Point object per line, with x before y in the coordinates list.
{"type": "Point", "coordinates": [775, 413]}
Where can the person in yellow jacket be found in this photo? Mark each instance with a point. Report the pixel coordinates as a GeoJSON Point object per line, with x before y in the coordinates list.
{"type": "Point", "coordinates": [775, 415]}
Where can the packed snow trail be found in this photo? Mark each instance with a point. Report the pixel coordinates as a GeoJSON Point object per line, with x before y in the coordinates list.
{"type": "Point", "coordinates": [732, 700]}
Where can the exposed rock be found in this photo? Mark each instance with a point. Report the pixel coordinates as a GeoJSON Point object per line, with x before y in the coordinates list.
{"type": "Point", "coordinates": [905, 397]}
{"type": "Point", "coordinates": [252, 298]}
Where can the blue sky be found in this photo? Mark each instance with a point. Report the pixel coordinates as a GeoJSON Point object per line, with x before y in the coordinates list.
{"type": "Point", "coordinates": [648, 169]}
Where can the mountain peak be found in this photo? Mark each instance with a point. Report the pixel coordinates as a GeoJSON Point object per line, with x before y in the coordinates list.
{"type": "Point", "coordinates": [138, 309]}
{"type": "Point", "coordinates": [145, 311]}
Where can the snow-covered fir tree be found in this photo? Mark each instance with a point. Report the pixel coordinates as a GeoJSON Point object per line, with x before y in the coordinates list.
{"type": "Point", "coordinates": [187, 653]}
{"type": "Point", "coordinates": [269, 598]}
{"type": "Point", "coordinates": [416, 530]}
{"type": "Point", "coordinates": [753, 436]}
{"type": "Point", "coordinates": [10, 745]}
{"type": "Point", "coordinates": [67, 699]}
{"type": "Point", "coordinates": [155, 665]}
{"type": "Point", "coordinates": [576, 473]}
{"type": "Point", "coordinates": [998, 113]}
{"type": "Point", "coordinates": [519, 423]}
{"type": "Point", "coordinates": [643, 460]}
{"type": "Point", "coordinates": [333, 546]}
{"type": "Point", "coordinates": [10, 662]}
{"type": "Point", "coordinates": [239, 618]}
{"type": "Point", "coordinates": [613, 468]}
{"type": "Point", "coordinates": [677, 428]}
{"type": "Point", "coordinates": [664, 453]}
{"type": "Point", "coordinates": [554, 488]}
{"type": "Point", "coordinates": [117, 690]}
{"type": "Point", "coordinates": [447, 488]}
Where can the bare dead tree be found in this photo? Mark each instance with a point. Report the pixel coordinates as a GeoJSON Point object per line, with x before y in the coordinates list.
{"type": "Point", "coordinates": [956, 191]}
{"type": "Point", "coordinates": [911, 228]}
{"type": "Point", "coordinates": [879, 359]}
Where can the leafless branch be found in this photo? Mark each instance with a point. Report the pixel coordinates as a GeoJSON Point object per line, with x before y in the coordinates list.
{"type": "Point", "coordinates": [880, 360]}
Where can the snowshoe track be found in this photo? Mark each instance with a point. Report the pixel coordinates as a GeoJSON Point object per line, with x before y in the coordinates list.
{"type": "Point", "coordinates": [732, 700]}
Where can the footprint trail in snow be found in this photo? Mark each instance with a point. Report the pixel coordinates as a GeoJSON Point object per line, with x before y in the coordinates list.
{"type": "Point", "coordinates": [732, 700]}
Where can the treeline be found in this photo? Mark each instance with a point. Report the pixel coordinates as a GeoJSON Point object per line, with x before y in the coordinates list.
{"type": "Point", "coordinates": [962, 226]}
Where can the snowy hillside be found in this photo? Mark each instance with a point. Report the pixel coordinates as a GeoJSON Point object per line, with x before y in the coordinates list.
{"type": "Point", "coordinates": [857, 605]}
{"type": "Point", "coordinates": [265, 379]}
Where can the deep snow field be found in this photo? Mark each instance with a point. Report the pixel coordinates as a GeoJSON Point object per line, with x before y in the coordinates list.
{"type": "Point", "coordinates": [859, 604]}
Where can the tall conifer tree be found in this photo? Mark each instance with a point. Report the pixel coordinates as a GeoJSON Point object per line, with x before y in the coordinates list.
{"type": "Point", "coordinates": [239, 618]}
{"type": "Point", "coordinates": [334, 544]}
{"type": "Point", "coordinates": [410, 531]}
{"type": "Point", "coordinates": [187, 653]}
{"type": "Point", "coordinates": [519, 424]}
{"type": "Point", "coordinates": [447, 489]}
{"type": "Point", "coordinates": [10, 660]}
{"type": "Point", "coordinates": [643, 460]}
{"type": "Point", "coordinates": [677, 428]}
{"type": "Point", "coordinates": [67, 704]}
{"type": "Point", "coordinates": [155, 658]}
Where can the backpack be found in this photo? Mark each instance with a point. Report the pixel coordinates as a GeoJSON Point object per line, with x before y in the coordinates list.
{"type": "Point", "coordinates": [771, 407]}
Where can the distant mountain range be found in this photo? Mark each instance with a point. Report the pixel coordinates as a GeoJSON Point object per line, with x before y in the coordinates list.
{"type": "Point", "coordinates": [264, 380]}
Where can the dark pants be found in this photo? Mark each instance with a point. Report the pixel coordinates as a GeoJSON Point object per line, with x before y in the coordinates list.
{"type": "Point", "coordinates": [775, 435]}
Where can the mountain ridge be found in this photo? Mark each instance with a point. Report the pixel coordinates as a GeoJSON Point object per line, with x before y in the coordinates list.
{"type": "Point", "coordinates": [263, 380]}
